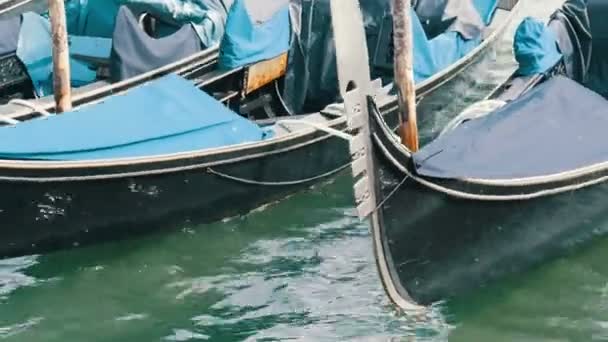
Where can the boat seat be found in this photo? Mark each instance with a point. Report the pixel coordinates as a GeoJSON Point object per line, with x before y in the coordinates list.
{"type": "Point", "coordinates": [92, 50]}
{"type": "Point", "coordinates": [134, 52]}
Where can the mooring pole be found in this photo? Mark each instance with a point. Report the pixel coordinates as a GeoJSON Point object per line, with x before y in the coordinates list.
{"type": "Point", "coordinates": [61, 57]}
{"type": "Point", "coordinates": [404, 73]}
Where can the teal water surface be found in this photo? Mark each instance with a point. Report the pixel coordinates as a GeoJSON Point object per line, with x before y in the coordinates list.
{"type": "Point", "coordinates": [301, 269]}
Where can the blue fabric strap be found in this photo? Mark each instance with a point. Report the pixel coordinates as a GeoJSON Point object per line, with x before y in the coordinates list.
{"type": "Point", "coordinates": [245, 42]}
{"type": "Point", "coordinates": [535, 47]}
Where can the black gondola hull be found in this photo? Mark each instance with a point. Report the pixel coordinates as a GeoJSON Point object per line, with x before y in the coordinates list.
{"type": "Point", "coordinates": [40, 216]}
{"type": "Point", "coordinates": [438, 245]}
{"type": "Point", "coordinates": [443, 246]}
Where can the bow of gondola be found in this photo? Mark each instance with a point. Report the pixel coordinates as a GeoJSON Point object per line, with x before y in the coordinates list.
{"type": "Point", "coordinates": [445, 228]}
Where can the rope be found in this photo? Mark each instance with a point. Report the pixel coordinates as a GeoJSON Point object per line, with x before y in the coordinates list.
{"type": "Point", "coordinates": [392, 193]}
{"type": "Point", "coordinates": [320, 127]}
{"type": "Point", "coordinates": [284, 183]}
{"type": "Point", "coordinates": [280, 97]}
{"type": "Point", "coordinates": [8, 120]}
{"type": "Point", "coordinates": [474, 111]}
{"type": "Point", "coordinates": [492, 198]}
{"type": "Point", "coordinates": [30, 105]}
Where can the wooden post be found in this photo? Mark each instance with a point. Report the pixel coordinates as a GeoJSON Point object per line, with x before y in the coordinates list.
{"type": "Point", "coordinates": [61, 57]}
{"type": "Point", "coordinates": [404, 73]}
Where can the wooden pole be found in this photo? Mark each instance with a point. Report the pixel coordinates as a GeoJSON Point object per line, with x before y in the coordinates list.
{"type": "Point", "coordinates": [61, 57]}
{"type": "Point", "coordinates": [404, 73]}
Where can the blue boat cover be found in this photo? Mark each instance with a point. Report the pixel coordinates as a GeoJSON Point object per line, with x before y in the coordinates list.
{"type": "Point", "coordinates": [556, 127]}
{"type": "Point", "coordinates": [433, 56]}
{"type": "Point", "coordinates": [311, 77]}
{"type": "Point", "coordinates": [535, 47]}
{"type": "Point", "coordinates": [168, 115]}
{"type": "Point", "coordinates": [486, 9]}
{"type": "Point", "coordinates": [246, 42]}
{"type": "Point", "coordinates": [35, 50]}
{"type": "Point", "coordinates": [96, 18]}
{"type": "Point", "coordinates": [467, 17]}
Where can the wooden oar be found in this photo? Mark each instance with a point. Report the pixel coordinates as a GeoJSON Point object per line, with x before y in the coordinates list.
{"type": "Point", "coordinates": [404, 73]}
{"type": "Point", "coordinates": [61, 57]}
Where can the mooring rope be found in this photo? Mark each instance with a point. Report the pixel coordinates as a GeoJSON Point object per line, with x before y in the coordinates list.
{"type": "Point", "coordinates": [317, 126]}
{"type": "Point", "coordinates": [30, 105]}
{"type": "Point", "coordinates": [388, 197]}
{"type": "Point", "coordinates": [277, 183]}
{"type": "Point", "coordinates": [281, 100]}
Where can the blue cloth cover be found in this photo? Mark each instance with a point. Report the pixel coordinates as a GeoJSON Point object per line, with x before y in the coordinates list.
{"type": "Point", "coordinates": [96, 18]}
{"type": "Point", "coordinates": [433, 56]}
{"type": "Point", "coordinates": [93, 18]}
{"type": "Point", "coordinates": [35, 50]}
{"type": "Point", "coordinates": [168, 115]}
{"type": "Point", "coordinates": [246, 42]}
{"type": "Point", "coordinates": [486, 9]}
{"type": "Point", "coordinates": [535, 47]}
{"type": "Point", "coordinates": [556, 127]}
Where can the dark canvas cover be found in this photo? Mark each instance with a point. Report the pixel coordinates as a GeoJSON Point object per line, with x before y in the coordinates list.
{"type": "Point", "coordinates": [9, 34]}
{"type": "Point", "coordinates": [558, 126]}
{"type": "Point", "coordinates": [134, 52]}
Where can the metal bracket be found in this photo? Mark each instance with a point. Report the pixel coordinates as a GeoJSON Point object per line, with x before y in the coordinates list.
{"type": "Point", "coordinates": [356, 89]}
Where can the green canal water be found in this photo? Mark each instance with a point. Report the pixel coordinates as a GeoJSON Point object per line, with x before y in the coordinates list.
{"type": "Point", "coordinates": [301, 269]}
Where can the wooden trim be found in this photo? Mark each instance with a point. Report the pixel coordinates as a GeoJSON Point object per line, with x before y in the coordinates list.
{"type": "Point", "coordinates": [263, 73]}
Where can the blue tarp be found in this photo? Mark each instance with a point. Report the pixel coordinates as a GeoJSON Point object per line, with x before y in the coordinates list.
{"type": "Point", "coordinates": [486, 9]}
{"type": "Point", "coordinates": [246, 42]}
{"type": "Point", "coordinates": [433, 56]}
{"type": "Point", "coordinates": [535, 47]}
{"type": "Point", "coordinates": [556, 127]}
{"type": "Point", "coordinates": [97, 17]}
{"type": "Point", "coordinates": [35, 50]}
{"type": "Point", "coordinates": [311, 77]}
{"type": "Point", "coordinates": [168, 115]}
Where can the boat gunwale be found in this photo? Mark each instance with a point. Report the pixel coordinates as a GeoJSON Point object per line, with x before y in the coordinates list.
{"type": "Point", "coordinates": [10, 5]}
{"type": "Point", "coordinates": [449, 73]}
{"type": "Point", "coordinates": [208, 55]}
{"type": "Point", "coordinates": [311, 135]}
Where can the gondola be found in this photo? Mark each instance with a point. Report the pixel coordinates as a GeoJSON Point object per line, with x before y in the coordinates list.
{"type": "Point", "coordinates": [65, 194]}
{"type": "Point", "coordinates": [247, 91]}
{"type": "Point", "coordinates": [515, 180]}
{"type": "Point", "coordinates": [128, 45]}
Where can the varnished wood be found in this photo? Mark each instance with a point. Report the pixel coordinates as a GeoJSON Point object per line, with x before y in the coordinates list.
{"type": "Point", "coordinates": [404, 73]}
{"type": "Point", "coordinates": [61, 57]}
{"type": "Point", "coordinates": [262, 73]}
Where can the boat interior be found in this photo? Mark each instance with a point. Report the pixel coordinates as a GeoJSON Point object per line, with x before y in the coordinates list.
{"type": "Point", "coordinates": [558, 91]}
{"type": "Point", "coordinates": [204, 87]}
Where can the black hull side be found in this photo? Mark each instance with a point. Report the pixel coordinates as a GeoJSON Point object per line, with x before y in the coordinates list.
{"type": "Point", "coordinates": [37, 217]}
{"type": "Point", "coordinates": [436, 246]}
{"type": "Point", "coordinates": [443, 247]}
